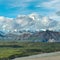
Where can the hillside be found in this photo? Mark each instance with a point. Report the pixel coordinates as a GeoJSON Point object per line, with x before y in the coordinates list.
{"type": "Point", "coordinates": [38, 36]}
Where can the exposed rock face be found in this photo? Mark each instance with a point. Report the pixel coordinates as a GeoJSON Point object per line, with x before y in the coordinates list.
{"type": "Point", "coordinates": [47, 36]}
{"type": "Point", "coordinates": [41, 36]}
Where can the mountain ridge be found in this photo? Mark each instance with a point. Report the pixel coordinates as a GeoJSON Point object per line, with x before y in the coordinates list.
{"type": "Point", "coordinates": [40, 36]}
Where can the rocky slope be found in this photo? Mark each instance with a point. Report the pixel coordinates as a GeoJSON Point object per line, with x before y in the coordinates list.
{"type": "Point", "coordinates": [41, 36]}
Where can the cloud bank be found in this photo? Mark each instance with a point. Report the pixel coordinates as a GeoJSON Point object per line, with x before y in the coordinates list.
{"type": "Point", "coordinates": [32, 22]}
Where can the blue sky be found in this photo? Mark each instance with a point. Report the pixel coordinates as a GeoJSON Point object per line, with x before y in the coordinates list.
{"type": "Point", "coordinates": [40, 11]}
{"type": "Point", "coordinates": [12, 8]}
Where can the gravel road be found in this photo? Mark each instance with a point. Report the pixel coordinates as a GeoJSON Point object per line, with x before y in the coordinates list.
{"type": "Point", "coordinates": [45, 56]}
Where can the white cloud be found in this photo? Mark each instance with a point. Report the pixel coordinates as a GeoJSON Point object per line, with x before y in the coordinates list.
{"type": "Point", "coordinates": [2, 18]}
{"type": "Point", "coordinates": [45, 21]}
{"type": "Point", "coordinates": [19, 3]}
{"type": "Point", "coordinates": [35, 21]}
{"type": "Point", "coordinates": [54, 17]}
{"type": "Point", "coordinates": [51, 4]}
{"type": "Point", "coordinates": [6, 23]}
{"type": "Point", "coordinates": [26, 22]}
{"type": "Point", "coordinates": [58, 13]}
{"type": "Point", "coordinates": [35, 16]}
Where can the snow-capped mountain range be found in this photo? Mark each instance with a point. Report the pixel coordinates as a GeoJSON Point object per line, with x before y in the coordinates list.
{"type": "Point", "coordinates": [29, 28]}
{"type": "Point", "coordinates": [32, 22]}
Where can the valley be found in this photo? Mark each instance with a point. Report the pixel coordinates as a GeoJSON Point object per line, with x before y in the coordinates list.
{"type": "Point", "coordinates": [11, 50]}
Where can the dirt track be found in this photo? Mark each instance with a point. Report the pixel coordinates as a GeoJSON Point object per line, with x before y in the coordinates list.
{"type": "Point", "coordinates": [47, 56]}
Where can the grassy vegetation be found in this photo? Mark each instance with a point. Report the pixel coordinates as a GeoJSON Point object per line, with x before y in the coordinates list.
{"type": "Point", "coordinates": [10, 50]}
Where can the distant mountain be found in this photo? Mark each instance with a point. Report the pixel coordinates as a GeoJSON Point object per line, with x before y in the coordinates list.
{"type": "Point", "coordinates": [2, 34]}
{"type": "Point", "coordinates": [38, 36]}
{"type": "Point", "coordinates": [32, 27]}
{"type": "Point", "coordinates": [46, 36]}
